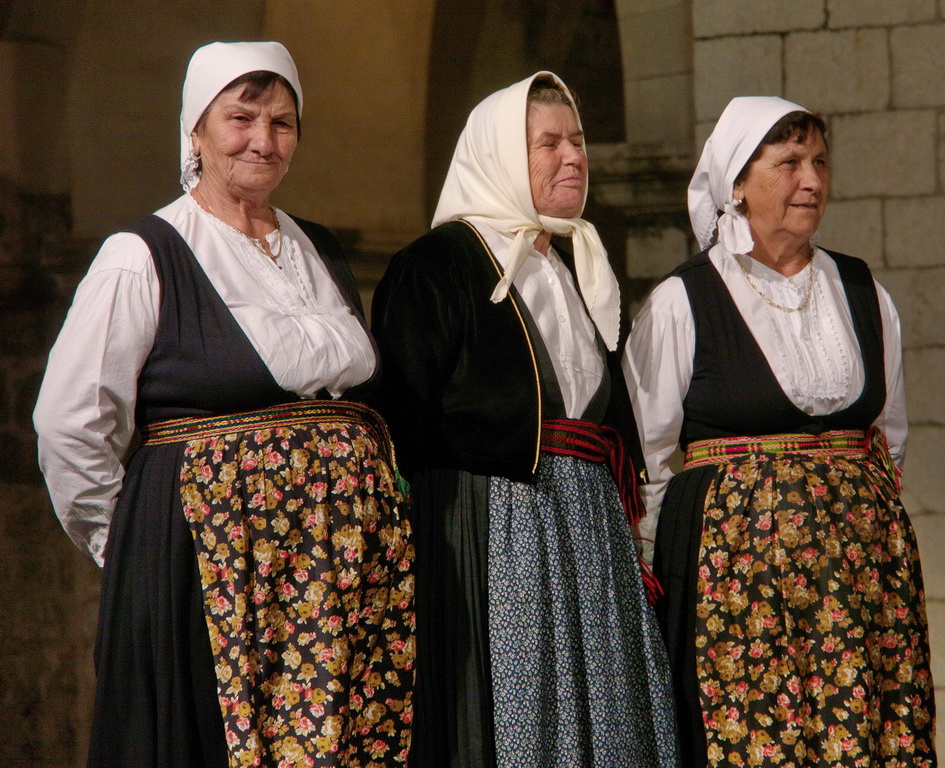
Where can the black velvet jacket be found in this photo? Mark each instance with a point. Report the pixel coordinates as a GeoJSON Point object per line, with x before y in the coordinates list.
{"type": "Point", "coordinates": [461, 387]}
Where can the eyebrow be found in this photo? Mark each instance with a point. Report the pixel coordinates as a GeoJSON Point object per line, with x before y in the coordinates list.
{"type": "Point", "coordinates": [552, 135]}
{"type": "Point", "coordinates": [791, 152]}
{"type": "Point", "coordinates": [249, 106]}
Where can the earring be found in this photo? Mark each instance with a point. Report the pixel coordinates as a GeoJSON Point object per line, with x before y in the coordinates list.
{"type": "Point", "coordinates": [190, 171]}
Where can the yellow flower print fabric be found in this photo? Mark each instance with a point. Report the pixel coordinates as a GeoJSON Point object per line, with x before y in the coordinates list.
{"type": "Point", "coordinates": [305, 560]}
{"type": "Point", "coordinates": [811, 634]}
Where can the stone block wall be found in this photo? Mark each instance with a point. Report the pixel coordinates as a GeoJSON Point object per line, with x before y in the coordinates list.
{"type": "Point", "coordinates": [657, 75]}
{"type": "Point", "coordinates": [47, 683]}
{"type": "Point", "coordinates": [876, 71]}
{"type": "Point", "coordinates": [51, 596]}
{"type": "Point", "coordinates": [46, 679]}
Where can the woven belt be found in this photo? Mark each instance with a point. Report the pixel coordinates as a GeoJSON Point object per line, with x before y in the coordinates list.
{"type": "Point", "coordinates": [851, 444]}
{"type": "Point", "coordinates": [601, 445]}
{"type": "Point", "coordinates": [283, 414]}
{"type": "Point", "coordinates": [840, 443]}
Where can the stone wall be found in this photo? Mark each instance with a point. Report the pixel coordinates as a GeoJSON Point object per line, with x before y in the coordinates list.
{"type": "Point", "coordinates": [51, 600]}
{"type": "Point", "coordinates": [876, 71]}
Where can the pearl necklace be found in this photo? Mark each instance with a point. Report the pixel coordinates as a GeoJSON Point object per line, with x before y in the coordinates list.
{"type": "Point", "coordinates": [271, 254]}
{"type": "Point", "coordinates": [769, 302]}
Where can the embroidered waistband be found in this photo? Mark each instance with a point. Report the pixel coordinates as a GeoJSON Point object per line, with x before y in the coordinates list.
{"type": "Point", "coordinates": [852, 444]}
{"type": "Point", "coordinates": [723, 450]}
{"type": "Point", "coordinates": [283, 414]}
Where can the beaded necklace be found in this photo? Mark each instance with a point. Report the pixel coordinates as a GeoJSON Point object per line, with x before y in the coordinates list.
{"type": "Point", "coordinates": [803, 305]}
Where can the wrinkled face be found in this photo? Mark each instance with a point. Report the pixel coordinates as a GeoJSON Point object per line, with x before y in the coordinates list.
{"type": "Point", "coordinates": [557, 165]}
{"type": "Point", "coordinates": [786, 188]}
{"type": "Point", "coordinates": [245, 146]}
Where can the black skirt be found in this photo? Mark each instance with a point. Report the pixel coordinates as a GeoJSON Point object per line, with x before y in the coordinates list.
{"type": "Point", "coordinates": [156, 701]}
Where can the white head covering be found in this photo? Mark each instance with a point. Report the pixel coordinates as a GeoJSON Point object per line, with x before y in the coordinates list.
{"type": "Point", "coordinates": [211, 69]}
{"type": "Point", "coordinates": [736, 136]}
{"type": "Point", "coordinates": [489, 179]}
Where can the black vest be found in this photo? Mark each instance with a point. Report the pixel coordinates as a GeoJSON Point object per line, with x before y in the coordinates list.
{"type": "Point", "coordinates": [201, 362]}
{"type": "Point", "coordinates": [734, 392]}
{"type": "Point", "coordinates": [462, 382]}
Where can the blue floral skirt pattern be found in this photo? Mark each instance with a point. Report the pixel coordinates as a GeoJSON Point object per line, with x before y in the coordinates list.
{"type": "Point", "coordinates": [579, 671]}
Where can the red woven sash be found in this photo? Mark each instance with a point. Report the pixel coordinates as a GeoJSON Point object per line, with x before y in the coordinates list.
{"type": "Point", "coordinates": [602, 445]}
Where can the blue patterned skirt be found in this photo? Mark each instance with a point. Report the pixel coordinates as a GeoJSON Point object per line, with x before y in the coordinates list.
{"type": "Point", "coordinates": [579, 672]}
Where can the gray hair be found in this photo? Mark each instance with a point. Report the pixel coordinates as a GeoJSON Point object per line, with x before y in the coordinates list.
{"type": "Point", "coordinates": [545, 90]}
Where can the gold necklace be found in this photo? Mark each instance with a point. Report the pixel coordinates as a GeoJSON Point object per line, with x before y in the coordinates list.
{"type": "Point", "coordinates": [803, 305]}
{"type": "Point", "coordinates": [255, 241]}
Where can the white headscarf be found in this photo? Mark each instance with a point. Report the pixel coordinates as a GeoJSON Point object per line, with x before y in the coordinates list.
{"type": "Point", "coordinates": [489, 179]}
{"type": "Point", "coordinates": [211, 69]}
{"type": "Point", "coordinates": [736, 136]}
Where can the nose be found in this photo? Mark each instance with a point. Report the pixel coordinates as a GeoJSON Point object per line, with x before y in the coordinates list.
{"type": "Point", "coordinates": [261, 139]}
{"type": "Point", "coordinates": [571, 154]}
{"type": "Point", "coordinates": [811, 177]}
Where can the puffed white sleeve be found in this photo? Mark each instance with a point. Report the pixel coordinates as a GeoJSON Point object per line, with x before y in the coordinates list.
{"type": "Point", "coordinates": [893, 420]}
{"type": "Point", "coordinates": [657, 364]}
{"type": "Point", "coordinates": [84, 415]}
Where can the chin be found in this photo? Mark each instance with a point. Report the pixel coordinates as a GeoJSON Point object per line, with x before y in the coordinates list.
{"type": "Point", "coordinates": [261, 184]}
{"type": "Point", "coordinates": [564, 211]}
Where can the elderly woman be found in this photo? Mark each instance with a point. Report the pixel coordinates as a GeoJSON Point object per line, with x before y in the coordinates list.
{"type": "Point", "coordinates": [794, 614]}
{"type": "Point", "coordinates": [257, 595]}
{"type": "Point", "coordinates": [536, 645]}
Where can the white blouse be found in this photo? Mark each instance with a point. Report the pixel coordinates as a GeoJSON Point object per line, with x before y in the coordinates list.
{"type": "Point", "coordinates": [547, 288]}
{"type": "Point", "coordinates": [290, 310]}
{"type": "Point", "coordinates": [813, 354]}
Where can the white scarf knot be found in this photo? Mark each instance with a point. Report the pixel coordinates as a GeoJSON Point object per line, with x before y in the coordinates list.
{"type": "Point", "coordinates": [584, 239]}
{"type": "Point", "coordinates": [734, 230]}
{"type": "Point", "coordinates": [488, 179]}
